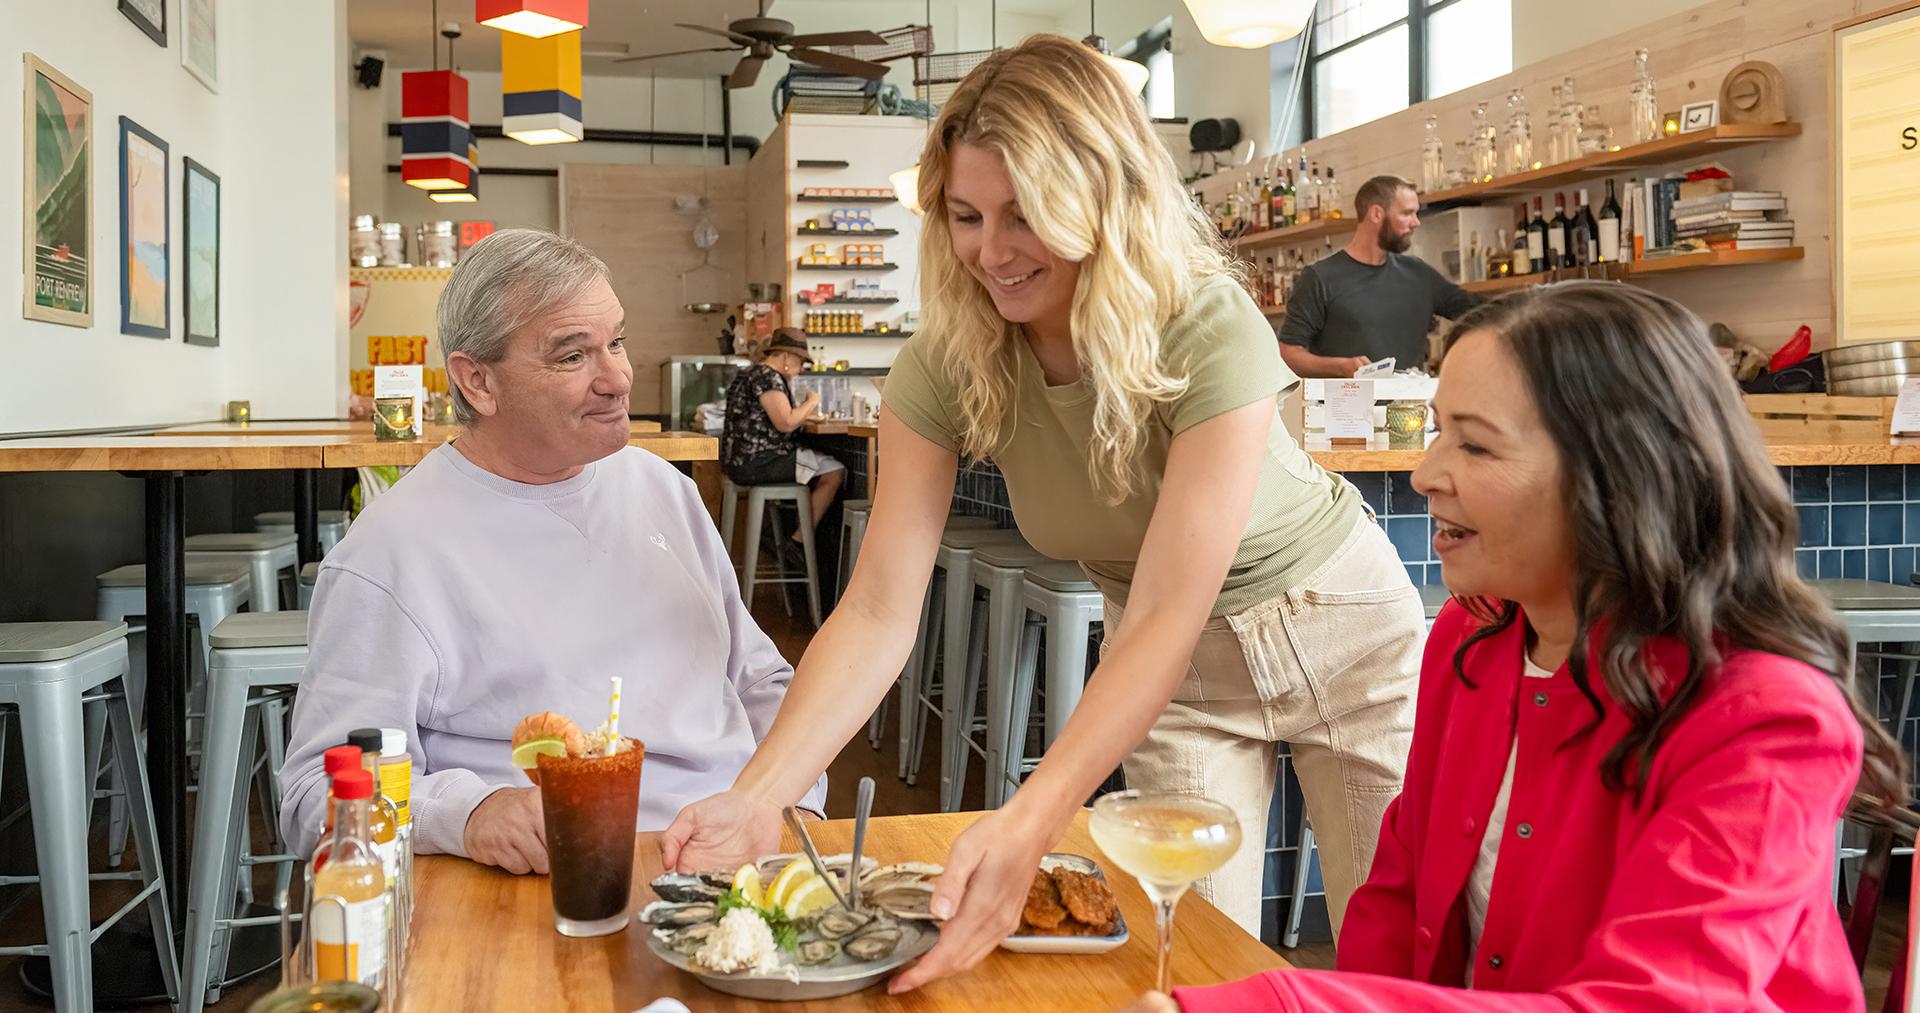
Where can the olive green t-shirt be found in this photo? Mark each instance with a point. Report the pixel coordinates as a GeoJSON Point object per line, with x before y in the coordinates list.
{"type": "Point", "coordinates": [1225, 348]}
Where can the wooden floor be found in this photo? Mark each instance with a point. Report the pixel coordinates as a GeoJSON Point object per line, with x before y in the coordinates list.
{"type": "Point", "coordinates": [892, 796]}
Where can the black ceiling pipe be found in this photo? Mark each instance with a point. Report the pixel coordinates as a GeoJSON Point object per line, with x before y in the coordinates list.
{"type": "Point", "coordinates": [670, 137]}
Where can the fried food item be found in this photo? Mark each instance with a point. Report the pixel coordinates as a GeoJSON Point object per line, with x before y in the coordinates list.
{"type": "Point", "coordinates": [1043, 912]}
{"type": "Point", "coordinates": [1087, 899]}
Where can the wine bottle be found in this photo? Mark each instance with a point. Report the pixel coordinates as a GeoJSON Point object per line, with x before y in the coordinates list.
{"type": "Point", "coordinates": [1289, 212]}
{"type": "Point", "coordinates": [1276, 210]}
{"type": "Point", "coordinates": [1263, 207]}
{"type": "Point", "coordinates": [1609, 228]}
{"type": "Point", "coordinates": [1557, 233]}
{"type": "Point", "coordinates": [1537, 240]}
{"type": "Point", "coordinates": [1520, 262]}
{"type": "Point", "coordinates": [1585, 234]}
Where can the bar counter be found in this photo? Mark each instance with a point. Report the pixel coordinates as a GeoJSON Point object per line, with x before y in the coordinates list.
{"type": "Point", "coordinates": [1785, 451]}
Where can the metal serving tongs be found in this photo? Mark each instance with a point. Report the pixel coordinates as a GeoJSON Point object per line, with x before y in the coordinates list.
{"type": "Point", "coordinates": [863, 809]}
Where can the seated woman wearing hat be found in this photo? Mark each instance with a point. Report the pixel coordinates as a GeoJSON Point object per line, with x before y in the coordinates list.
{"type": "Point", "coordinates": [758, 447]}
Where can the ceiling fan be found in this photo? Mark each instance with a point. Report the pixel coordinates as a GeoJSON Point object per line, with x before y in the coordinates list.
{"type": "Point", "coordinates": [762, 36]}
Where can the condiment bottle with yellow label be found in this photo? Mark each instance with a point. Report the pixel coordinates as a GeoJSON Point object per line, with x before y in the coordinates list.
{"type": "Point", "coordinates": [349, 910]}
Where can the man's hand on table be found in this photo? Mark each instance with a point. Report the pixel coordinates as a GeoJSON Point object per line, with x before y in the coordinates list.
{"type": "Point", "coordinates": [508, 829]}
{"type": "Point", "coordinates": [723, 831]}
{"type": "Point", "coordinates": [1152, 1002]}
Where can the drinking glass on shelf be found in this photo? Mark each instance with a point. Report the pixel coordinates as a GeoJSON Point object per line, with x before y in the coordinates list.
{"type": "Point", "coordinates": [1167, 841]}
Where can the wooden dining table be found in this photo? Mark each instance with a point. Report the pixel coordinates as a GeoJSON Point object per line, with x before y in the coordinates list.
{"type": "Point", "coordinates": [482, 937]}
{"type": "Point", "coordinates": [868, 431]}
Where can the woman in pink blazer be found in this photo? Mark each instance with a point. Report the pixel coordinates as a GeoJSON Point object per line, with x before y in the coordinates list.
{"type": "Point", "coordinates": [1635, 730]}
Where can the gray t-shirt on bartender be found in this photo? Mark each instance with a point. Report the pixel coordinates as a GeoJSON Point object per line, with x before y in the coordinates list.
{"type": "Point", "coordinates": [1342, 307]}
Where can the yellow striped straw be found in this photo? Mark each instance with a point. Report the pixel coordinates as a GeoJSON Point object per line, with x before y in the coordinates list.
{"type": "Point", "coordinates": [613, 719]}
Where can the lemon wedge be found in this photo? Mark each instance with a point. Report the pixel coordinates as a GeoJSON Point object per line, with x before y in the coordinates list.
{"type": "Point", "coordinates": [784, 881]}
{"type": "Point", "coordinates": [524, 754]}
{"type": "Point", "coordinates": [807, 896]}
{"type": "Point", "coordinates": [747, 881]}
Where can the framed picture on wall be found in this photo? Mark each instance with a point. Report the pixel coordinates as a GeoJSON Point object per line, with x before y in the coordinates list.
{"type": "Point", "coordinates": [144, 252]}
{"type": "Point", "coordinates": [58, 224]}
{"type": "Point", "coordinates": [200, 44]}
{"type": "Point", "coordinates": [200, 281]}
{"type": "Point", "coordinates": [150, 16]}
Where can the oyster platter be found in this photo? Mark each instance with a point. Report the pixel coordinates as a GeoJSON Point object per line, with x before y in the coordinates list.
{"type": "Point", "coordinates": [779, 929]}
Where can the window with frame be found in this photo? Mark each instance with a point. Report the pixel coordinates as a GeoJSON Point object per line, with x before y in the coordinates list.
{"type": "Point", "coordinates": [1154, 48]}
{"type": "Point", "coordinates": [1369, 58]}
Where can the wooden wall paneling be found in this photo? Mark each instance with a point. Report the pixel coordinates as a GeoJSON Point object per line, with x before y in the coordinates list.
{"type": "Point", "coordinates": [1690, 53]}
{"type": "Point", "coordinates": [626, 214]}
{"type": "Point", "coordinates": [769, 237]}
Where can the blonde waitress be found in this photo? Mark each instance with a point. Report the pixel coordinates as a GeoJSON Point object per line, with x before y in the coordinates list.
{"type": "Point", "coordinates": [1084, 331]}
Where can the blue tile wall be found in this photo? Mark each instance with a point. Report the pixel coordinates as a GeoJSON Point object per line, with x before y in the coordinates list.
{"type": "Point", "coordinates": [1856, 521]}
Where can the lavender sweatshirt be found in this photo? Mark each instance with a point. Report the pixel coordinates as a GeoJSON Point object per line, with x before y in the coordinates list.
{"type": "Point", "coordinates": [460, 602]}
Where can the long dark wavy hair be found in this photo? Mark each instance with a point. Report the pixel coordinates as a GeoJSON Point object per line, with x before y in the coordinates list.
{"type": "Point", "coordinates": [1682, 527]}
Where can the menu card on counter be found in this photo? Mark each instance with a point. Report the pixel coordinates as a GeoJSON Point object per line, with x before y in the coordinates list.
{"type": "Point", "coordinates": [1349, 410]}
{"type": "Point", "coordinates": [1906, 408]}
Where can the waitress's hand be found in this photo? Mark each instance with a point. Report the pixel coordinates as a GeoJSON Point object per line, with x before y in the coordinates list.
{"type": "Point", "coordinates": [1355, 364]}
{"type": "Point", "coordinates": [1152, 1002]}
{"type": "Point", "coordinates": [723, 831]}
{"type": "Point", "coordinates": [981, 893]}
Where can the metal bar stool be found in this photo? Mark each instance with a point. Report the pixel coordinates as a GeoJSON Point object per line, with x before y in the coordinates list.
{"type": "Point", "coordinates": [333, 526]}
{"type": "Point", "coordinates": [999, 570]}
{"type": "Point", "coordinates": [1884, 614]}
{"type": "Point", "coordinates": [309, 576]}
{"type": "Point", "coordinates": [1069, 607]}
{"type": "Point", "coordinates": [53, 673]}
{"type": "Point", "coordinates": [1433, 597]}
{"type": "Point", "coordinates": [266, 555]}
{"type": "Point", "coordinates": [216, 589]}
{"type": "Point", "coordinates": [962, 642]}
{"type": "Point", "coordinates": [257, 661]}
{"type": "Point", "coordinates": [759, 499]}
{"type": "Point", "coordinates": [924, 678]}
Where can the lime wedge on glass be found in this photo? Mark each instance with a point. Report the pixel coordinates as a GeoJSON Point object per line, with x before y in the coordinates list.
{"type": "Point", "coordinates": [524, 754]}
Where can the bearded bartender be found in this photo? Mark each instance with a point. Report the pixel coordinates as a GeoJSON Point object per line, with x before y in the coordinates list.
{"type": "Point", "coordinates": [1371, 300]}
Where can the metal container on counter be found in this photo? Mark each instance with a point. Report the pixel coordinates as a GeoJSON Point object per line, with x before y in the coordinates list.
{"type": "Point", "coordinates": [439, 244]}
{"type": "Point", "coordinates": [363, 242]}
{"type": "Point", "coordinates": [393, 244]}
{"type": "Point", "coordinates": [1874, 369]}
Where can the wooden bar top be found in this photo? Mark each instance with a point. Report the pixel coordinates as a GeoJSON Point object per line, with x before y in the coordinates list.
{"type": "Point", "coordinates": [482, 937]}
{"type": "Point", "coordinates": [357, 428]}
{"type": "Point", "coordinates": [156, 453]}
{"type": "Point", "coordinates": [1783, 450]}
{"type": "Point", "coordinates": [671, 446]}
{"type": "Point", "coordinates": [842, 427]}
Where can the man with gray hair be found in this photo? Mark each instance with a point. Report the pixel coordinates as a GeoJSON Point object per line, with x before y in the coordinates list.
{"type": "Point", "coordinates": [517, 568]}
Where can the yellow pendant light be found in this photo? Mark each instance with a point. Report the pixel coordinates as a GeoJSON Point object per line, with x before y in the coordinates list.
{"type": "Point", "coordinates": [1249, 24]}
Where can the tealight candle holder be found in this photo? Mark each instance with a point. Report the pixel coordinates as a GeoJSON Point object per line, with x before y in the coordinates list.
{"type": "Point", "coordinates": [1406, 425]}
{"type": "Point", "coordinates": [240, 411]}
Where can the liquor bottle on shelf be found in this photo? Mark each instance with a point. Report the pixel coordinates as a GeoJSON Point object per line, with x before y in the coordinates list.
{"type": "Point", "coordinates": [1289, 203]}
{"type": "Point", "coordinates": [1584, 234]}
{"type": "Point", "coordinates": [1537, 240]}
{"type": "Point", "coordinates": [1276, 292]}
{"type": "Point", "coordinates": [1312, 211]}
{"type": "Point", "coordinates": [1433, 163]}
{"type": "Point", "coordinates": [1519, 146]}
{"type": "Point", "coordinates": [1485, 158]}
{"type": "Point", "coordinates": [1264, 209]}
{"type": "Point", "coordinates": [1608, 245]}
{"type": "Point", "coordinates": [1471, 264]}
{"type": "Point", "coordinates": [1330, 198]}
{"type": "Point", "coordinates": [1520, 260]}
{"type": "Point", "coordinates": [1499, 258]}
{"type": "Point", "coordinates": [1643, 114]}
{"type": "Point", "coordinates": [1276, 204]}
{"type": "Point", "coordinates": [1556, 127]}
{"type": "Point", "coordinates": [1571, 115]}
{"type": "Point", "coordinates": [1303, 203]}
{"type": "Point", "coordinates": [1557, 233]}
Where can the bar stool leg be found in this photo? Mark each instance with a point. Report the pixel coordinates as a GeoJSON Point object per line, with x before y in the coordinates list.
{"type": "Point", "coordinates": [1068, 627]}
{"type": "Point", "coordinates": [729, 505]}
{"type": "Point", "coordinates": [1020, 715]}
{"type": "Point", "coordinates": [50, 714]}
{"type": "Point", "coordinates": [232, 871]}
{"type": "Point", "coordinates": [750, 552]}
{"type": "Point", "coordinates": [965, 695]}
{"type": "Point", "coordinates": [1004, 625]}
{"type": "Point", "coordinates": [913, 740]}
{"type": "Point", "coordinates": [146, 839]}
{"type": "Point", "coordinates": [804, 510]}
{"type": "Point", "coordinates": [1302, 867]}
{"type": "Point", "coordinates": [955, 639]}
{"type": "Point", "coordinates": [220, 781]}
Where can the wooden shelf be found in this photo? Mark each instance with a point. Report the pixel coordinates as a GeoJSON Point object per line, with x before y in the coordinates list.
{"type": "Point", "coordinates": [847, 233]}
{"type": "Point", "coordinates": [1717, 258]}
{"type": "Point", "coordinates": [803, 198]}
{"type": "Point", "coordinates": [820, 163]}
{"type": "Point", "coordinates": [846, 267]}
{"type": "Point", "coordinates": [860, 334]}
{"type": "Point", "coordinates": [1296, 233]}
{"type": "Point", "coordinates": [842, 301]}
{"type": "Point", "coordinates": [1678, 148]}
{"type": "Point", "coordinates": [1628, 270]}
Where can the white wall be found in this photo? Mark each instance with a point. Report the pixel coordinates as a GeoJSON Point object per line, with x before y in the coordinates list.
{"type": "Point", "coordinates": [276, 136]}
{"type": "Point", "coordinates": [1546, 28]}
